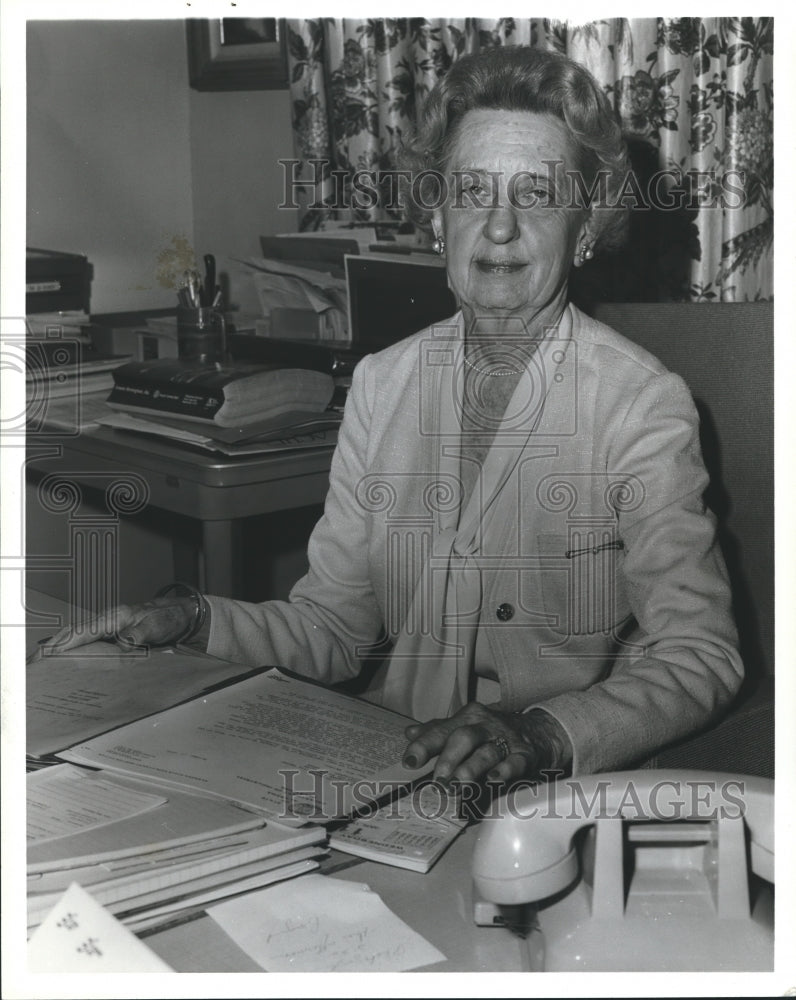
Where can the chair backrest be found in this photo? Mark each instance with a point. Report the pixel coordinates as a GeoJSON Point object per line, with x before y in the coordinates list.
{"type": "Point", "coordinates": [725, 353]}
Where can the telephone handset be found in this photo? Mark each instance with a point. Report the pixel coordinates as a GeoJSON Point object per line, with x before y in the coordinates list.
{"type": "Point", "coordinates": [632, 870]}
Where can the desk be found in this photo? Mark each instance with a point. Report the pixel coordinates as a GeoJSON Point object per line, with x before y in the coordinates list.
{"type": "Point", "coordinates": [437, 904]}
{"type": "Point", "coordinates": [213, 489]}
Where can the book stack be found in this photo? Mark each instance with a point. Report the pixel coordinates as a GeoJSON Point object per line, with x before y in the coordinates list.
{"type": "Point", "coordinates": [225, 395]}
{"type": "Point", "coordinates": [237, 409]}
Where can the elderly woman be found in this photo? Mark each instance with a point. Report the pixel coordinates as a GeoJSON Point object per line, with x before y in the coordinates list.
{"type": "Point", "coordinates": [514, 532]}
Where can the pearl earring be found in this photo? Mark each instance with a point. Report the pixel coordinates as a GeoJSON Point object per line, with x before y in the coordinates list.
{"type": "Point", "coordinates": [438, 246]}
{"type": "Point", "coordinates": [586, 253]}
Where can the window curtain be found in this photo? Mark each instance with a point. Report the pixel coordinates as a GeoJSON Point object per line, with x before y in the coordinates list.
{"type": "Point", "coordinates": [694, 95]}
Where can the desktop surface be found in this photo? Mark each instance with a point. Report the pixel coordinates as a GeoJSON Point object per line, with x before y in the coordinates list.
{"type": "Point", "coordinates": [437, 904]}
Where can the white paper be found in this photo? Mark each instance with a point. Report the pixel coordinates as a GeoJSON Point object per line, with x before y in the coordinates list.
{"type": "Point", "coordinates": [64, 800]}
{"type": "Point", "coordinates": [289, 442]}
{"type": "Point", "coordinates": [322, 924]}
{"type": "Point", "coordinates": [339, 230]}
{"type": "Point", "coordinates": [79, 935]}
{"type": "Point", "coordinates": [318, 281]}
{"type": "Point", "coordinates": [73, 696]}
{"type": "Point", "coordinates": [76, 412]}
{"type": "Point", "coordinates": [273, 742]}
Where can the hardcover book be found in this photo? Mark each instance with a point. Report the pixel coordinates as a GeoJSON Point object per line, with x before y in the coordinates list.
{"type": "Point", "coordinates": [227, 395]}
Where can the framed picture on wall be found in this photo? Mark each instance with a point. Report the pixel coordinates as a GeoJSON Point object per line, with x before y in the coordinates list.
{"type": "Point", "coordinates": [237, 53]}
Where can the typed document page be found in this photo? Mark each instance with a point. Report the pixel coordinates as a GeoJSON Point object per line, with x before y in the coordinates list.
{"type": "Point", "coordinates": [296, 750]}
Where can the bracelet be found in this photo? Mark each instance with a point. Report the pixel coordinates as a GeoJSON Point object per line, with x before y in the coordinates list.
{"type": "Point", "coordinates": [200, 610]}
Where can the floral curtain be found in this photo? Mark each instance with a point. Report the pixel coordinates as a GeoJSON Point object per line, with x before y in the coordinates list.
{"type": "Point", "coordinates": [694, 95]}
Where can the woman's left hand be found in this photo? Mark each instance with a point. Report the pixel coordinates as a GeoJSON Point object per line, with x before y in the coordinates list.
{"type": "Point", "coordinates": [479, 742]}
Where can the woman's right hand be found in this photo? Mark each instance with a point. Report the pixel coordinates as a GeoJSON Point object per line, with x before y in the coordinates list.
{"type": "Point", "coordinates": [154, 623]}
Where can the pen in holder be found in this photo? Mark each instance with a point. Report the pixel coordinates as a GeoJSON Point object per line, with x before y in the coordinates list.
{"type": "Point", "coordinates": [201, 334]}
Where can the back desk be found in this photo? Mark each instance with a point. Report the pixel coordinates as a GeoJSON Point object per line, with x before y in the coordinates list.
{"type": "Point", "coordinates": [217, 492]}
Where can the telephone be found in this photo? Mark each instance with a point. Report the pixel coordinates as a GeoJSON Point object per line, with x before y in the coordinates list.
{"type": "Point", "coordinates": [653, 870]}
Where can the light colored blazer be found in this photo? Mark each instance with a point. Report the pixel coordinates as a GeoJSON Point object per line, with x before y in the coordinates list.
{"type": "Point", "coordinates": [605, 599]}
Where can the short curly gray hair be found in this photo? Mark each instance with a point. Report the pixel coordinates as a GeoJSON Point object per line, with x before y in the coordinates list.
{"type": "Point", "coordinates": [518, 78]}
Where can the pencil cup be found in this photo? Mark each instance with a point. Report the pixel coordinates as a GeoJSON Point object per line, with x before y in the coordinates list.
{"type": "Point", "coordinates": [201, 334]}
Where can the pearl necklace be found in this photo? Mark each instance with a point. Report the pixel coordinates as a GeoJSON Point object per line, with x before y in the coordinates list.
{"type": "Point", "coordinates": [506, 371]}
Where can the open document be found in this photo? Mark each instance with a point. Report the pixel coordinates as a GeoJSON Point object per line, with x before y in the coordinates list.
{"type": "Point", "coordinates": [287, 746]}
{"type": "Point", "coordinates": [73, 696]}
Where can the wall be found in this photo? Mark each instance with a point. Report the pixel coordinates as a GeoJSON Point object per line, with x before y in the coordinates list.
{"type": "Point", "coordinates": [129, 166]}
{"type": "Point", "coordinates": [236, 140]}
{"type": "Point", "coordinates": [109, 165]}
{"type": "Point", "coordinates": [124, 158]}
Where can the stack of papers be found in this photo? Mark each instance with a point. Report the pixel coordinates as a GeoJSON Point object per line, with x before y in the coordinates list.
{"type": "Point", "coordinates": [363, 235]}
{"type": "Point", "coordinates": [150, 855]}
{"type": "Point", "coordinates": [283, 285]}
{"type": "Point", "coordinates": [133, 845]}
{"type": "Point", "coordinates": [293, 431]}
{"type": "Point", "coordinates": [160, 813]}
{"type": "Point", "coordinates": [63, 379]}
{"type": "Point", "coordinates": [66, 322]}
{"type": "Point", "coordinates": [71, 413]}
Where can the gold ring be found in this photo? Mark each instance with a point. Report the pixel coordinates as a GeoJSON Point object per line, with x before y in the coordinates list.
{"type": "Point", "coordinates": [503, 747]}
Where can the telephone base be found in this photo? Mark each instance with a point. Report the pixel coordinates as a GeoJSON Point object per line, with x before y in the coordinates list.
{"type": "Point", "coordinates": [648, 871]}
{"type": "Point", "coordinates": [662, 941]}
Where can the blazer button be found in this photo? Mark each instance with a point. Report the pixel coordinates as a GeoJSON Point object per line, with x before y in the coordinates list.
{"type": "Point", "coordinates": [505, 612]}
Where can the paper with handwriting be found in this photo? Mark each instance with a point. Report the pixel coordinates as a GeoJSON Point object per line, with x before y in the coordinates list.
{"type": "Point", "coordinates": [322, 924]}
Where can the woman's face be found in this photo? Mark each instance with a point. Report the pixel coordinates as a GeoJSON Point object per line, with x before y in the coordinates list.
{"type": "Point", "coordinates": [511, 237]}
